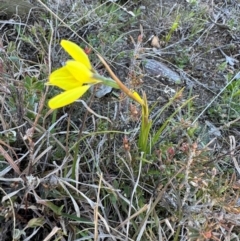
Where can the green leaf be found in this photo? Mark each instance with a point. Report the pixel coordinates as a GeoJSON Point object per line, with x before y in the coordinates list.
{"type": "Point", "coordinates": [36, 222]}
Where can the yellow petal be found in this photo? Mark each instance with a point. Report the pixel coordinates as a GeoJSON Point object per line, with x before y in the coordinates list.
{"type": "Point", "coordinates": [76, 53]}
{"type": "Point", "coordinates": [67, 97]}
{"type": "Point", "coordinates": [80, 72]}
{"type": "Point", "coordinates": [63, 79]}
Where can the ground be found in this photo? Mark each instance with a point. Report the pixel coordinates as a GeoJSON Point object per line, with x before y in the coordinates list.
{"type": "Point", "coordinates": [81, 172]}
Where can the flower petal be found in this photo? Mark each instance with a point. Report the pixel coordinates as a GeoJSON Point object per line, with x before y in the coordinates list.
{"type": "Point", "coordinates": [76, 53]}
{"type": "Point", "coordinates": [80, 72]}
{"type": "Point", "coordinates": [67, 97]}
{"type": "Point", "coordinates": [63, 79]}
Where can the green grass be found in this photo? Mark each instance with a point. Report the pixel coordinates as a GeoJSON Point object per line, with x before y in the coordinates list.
{"type": "Point", "coordinates": [227, 108]}
{"type": "Point", "coordinates": [76, 174]}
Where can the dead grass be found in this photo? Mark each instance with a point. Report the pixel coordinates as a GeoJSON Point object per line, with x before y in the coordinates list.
{"type": "Point", "coordinates": [75, 174]}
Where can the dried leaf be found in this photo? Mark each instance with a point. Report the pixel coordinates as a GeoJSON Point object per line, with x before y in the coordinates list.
{"type": "Point", "coordinates": [36, 222]}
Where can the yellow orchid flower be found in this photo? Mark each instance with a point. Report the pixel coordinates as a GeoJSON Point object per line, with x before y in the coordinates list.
{"type": "Point", "coordinates": [75, 78]}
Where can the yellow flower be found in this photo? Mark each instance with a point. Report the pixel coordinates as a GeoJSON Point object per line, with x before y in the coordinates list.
{"type": "Point", "coordinates": [75, 78]}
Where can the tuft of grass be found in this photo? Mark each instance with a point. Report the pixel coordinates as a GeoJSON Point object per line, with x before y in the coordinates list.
{"type": "Point", "coordinates": [227, 109]}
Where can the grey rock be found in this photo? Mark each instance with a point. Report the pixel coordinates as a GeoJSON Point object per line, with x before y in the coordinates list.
{"type": "Point", "coordinates": [102, 91]}
{"type": "Point", "coordinates": [157, 69]}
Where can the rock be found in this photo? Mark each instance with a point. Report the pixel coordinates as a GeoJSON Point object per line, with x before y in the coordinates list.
{"type": "Point", "coordinates": [10, 7]}
{"type": "Point", "coordinates": [103, 90]}
{"type": "Point", "coordinates": [157, 69]}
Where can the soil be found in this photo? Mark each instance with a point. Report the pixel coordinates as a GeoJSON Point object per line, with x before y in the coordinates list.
{"type": "Point", "coordinates": [204, 51]}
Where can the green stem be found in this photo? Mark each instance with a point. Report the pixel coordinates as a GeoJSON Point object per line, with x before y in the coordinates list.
{"type": "Point", "coordinates": [107, 81]}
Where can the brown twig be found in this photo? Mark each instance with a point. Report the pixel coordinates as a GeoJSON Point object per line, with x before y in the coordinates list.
{"type": "Point", "coordinates": [124, 88]}
{"type": "Point", "coordinates": [10, 161]}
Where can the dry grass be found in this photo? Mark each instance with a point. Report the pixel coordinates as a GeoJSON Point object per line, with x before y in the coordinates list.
{"type": "Point", "coordinates": [77, 173]}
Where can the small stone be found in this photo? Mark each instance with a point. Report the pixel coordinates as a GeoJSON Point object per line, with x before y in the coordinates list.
{"type": "Point", "coordinates": [102, 91]}
{"type": "Point", "coordinates": [157, 69]}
